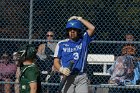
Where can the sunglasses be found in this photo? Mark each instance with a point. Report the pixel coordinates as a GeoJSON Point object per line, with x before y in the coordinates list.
{"type": "Point", "coordinates": [49, 35]}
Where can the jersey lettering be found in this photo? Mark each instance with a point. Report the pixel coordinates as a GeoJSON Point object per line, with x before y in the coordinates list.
{"type": "Point", "coordinates": [69, 49]}
{"type": "Point", "coordinates": [76, 56]}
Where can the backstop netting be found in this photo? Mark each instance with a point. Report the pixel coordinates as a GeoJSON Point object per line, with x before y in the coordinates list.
{"type": "Point", "coordinates": [28, 21]}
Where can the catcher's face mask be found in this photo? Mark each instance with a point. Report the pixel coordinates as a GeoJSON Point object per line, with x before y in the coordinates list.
{"type": "Point", "coordinates": [26, 52]}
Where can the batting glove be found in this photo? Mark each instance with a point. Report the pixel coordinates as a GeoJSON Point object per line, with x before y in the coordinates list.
{"type": "Point", "coordinates": [75, 17]}
{"type": "Point", "coordinates": [64, 71]}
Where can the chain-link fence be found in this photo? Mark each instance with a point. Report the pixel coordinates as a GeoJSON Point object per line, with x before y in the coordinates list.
{"type": "Point", "coordinates": [28, 21]}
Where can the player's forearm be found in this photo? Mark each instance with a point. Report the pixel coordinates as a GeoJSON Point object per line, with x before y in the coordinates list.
{"type": "Point", "coordinates": [33, 87]}
{"type": "Point", "coordinates": [33, 91]}
{"type": "Point", "coordinates": [90, 27]}
{"type": "Point", "coordinates": [57, 64]}
{"type": "Point", "coordinates": [63, 70]}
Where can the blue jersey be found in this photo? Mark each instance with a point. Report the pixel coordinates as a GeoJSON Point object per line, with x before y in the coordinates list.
{"type": "Point", "coordinates": [68, 50]}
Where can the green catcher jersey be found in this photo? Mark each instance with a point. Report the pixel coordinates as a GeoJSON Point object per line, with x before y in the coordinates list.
{"type": "Point", "coordinates": [29, 74]}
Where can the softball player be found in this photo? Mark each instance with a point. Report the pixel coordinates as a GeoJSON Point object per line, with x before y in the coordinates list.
{"type": "Point", "coordinates": [74, 48]}
{"type": "Point", "coordinates": [29, 74]}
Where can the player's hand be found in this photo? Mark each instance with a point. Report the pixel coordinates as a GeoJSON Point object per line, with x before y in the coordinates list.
{"type": "Point", "coordinates": [75, 17]}
{"type": "Point", "coordinates": [64, 71]}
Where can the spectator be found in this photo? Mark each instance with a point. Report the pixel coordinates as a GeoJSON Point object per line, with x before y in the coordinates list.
{"type": "Point", "coordinates": [7, 72]}
{"type": "Point", "coordinates": [123, 71]}
{"type": "Point", "coordinates": [15, 60]}
{"type": "Point", "coordinates": [129, 38]}
{"type": "Point", "coordinates": [46, 49]}
{"type": "Point", "coordinates": [123, 68]}
{"type": "Point", "coordinates": [45, 55]}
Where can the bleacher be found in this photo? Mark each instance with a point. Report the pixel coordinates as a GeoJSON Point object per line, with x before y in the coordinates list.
{"type": "Point", "coordinates": [101, 59]}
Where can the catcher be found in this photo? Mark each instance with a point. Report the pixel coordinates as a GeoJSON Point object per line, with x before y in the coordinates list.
{"type": "Point", "coordinates": [29, 78]}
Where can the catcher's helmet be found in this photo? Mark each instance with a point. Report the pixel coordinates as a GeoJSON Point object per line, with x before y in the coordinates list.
{"type": "Point", "coordinates": [26, 52]}
{"type": "Point", "coordinates": [74, 24]}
